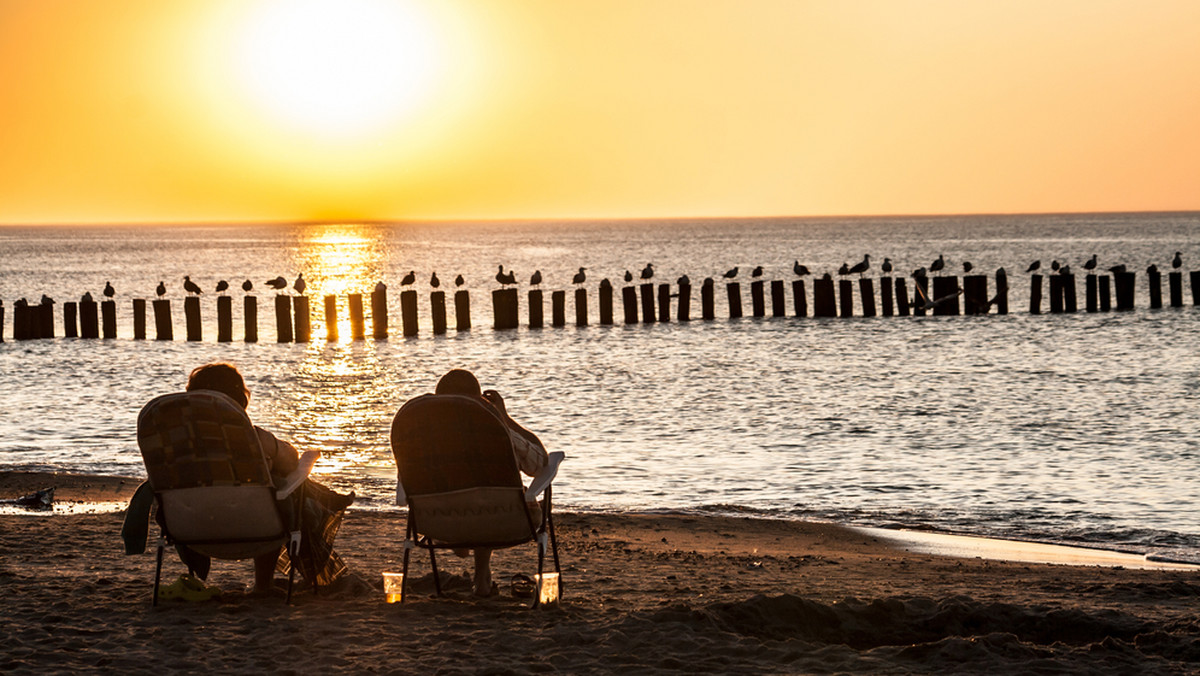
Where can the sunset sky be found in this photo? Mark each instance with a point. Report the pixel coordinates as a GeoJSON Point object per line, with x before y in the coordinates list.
{"type": "Point", "coordinates": [210, 110]}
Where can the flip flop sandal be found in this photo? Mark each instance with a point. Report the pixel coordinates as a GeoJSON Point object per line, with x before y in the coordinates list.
{"type": "Point", "coordinates": [523, 586]}
{"type": "Point", "coordinates": [194, 589]}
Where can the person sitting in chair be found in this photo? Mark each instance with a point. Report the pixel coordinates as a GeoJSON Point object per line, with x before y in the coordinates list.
{"type": "Point", "coordinates": [528, 451]}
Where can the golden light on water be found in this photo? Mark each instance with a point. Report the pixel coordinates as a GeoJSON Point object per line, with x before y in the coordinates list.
{"type": "Point", "coordinates": [338, 260]}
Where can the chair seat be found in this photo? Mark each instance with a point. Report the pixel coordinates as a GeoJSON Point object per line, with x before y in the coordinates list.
{"type": "Point", "coordinates": [492, 515]}
{"type": "Point", "coordinates": [225, 522]}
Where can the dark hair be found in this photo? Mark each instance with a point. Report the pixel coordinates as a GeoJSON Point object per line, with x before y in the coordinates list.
{"type": "Point", "coordinates": [459, 381]}
{"type": "Point", "coordinates": [220, 377]}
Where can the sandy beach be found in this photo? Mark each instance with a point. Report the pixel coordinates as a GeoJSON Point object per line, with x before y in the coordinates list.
{"type": "Point", "coordinates": [643, 593]}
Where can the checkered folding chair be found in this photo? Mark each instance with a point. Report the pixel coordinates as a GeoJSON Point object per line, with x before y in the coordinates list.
{"type": "Point", "coordinates": [457, 475]}
{"type": "Point", "coordinates": [212, 485]}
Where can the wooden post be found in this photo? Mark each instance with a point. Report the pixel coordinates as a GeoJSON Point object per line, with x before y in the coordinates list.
{"type": "Point", "coordinates": [1090, 291]}
{"type": "Point", "coordinates": [1070, 300]}
{"type": "Point", "coordinates": [708, 301]}
{"type": "Point", "coordinates": [1154, 281]}
{"type": "Point", "coordinates": [408, 313]}
{"type": "Point", "coordinates": [778, 300]}
{"type": "Point", "coordinates": [191, 318]}
{"type": "Point", "coordinates": [303, 319]}
{"type": "Point", "coordinates": [1175, 281]}
{"type": "Point", "coordinates": [683, 313]}
{"type": "Point", "coordinates": [70, 330]}
{"type": "Point", "coordinates": [606, 303]}
{"type": "Point", "coordinates": [975, 300]}
{"type": "Point", "coordinates": [799, 298]}
{"type": "Point", "coordinates": [886, 285]}
{"type": "Point", "coordinates": [558, 308]}
{"type": "Point", "coordinates": [1194, 278]}
{"type": "Point", "coordinates": [437, 311]}
{"type": "Point", "coordinates": [250, 318]}
{"type": "Point", "coordinates": [629, 304]}
{"type": "Point", "coordinates": [504, 309]}
{"type": "Point", "coordinates": [162, 320]}
{"type": "Point", "coordinates": [920, 290]}
{"type": "Point", "coordinates": [1, 321]}
{"type": "Point", "coordinates": [647, 292]}
{"type": "Point", "coordinates": [331, 321]}
{"type": "Point", "coordinates": [846, 298]}
{"type": "Point", "coordinates": [581, 307]}
{"type": "Point", "coordinates": [1035, 295]}
{"type": "Point", "coordinates": [108, 318]}
{"type": "Point", "coordinates": [733, 291]}
{"type": "Point", "coordinates": [1001, 291]}
{"type": "Point", "coordinates": [664, 303]}
{"type": "Point", "coordinates": [901, 297]}
{"type": "Point", "coordinates": [866, 289]}
{"type": "Point", "coordinates": [1056, 294]}
{"type": "Point", "coordinates": [942, 287]}
{"type": "Point", "coordinates": [758, 303]}
{"type": "Point", "coordinates": [1105, 293]}
{"type": "Point", "coordinates": [824, 302]}
{"type": "Point", "coordinates": [139, 318]}
{"type": "Point", "coordinates": [20, 320]}
{"type": "Point", "coordinates": [224, 319]}
{"type": "Point", "coordinates": [46, 319]}
{"type": "Point", "coordinates": [462, 310]}
{"type": "Point", "coordinates": [379, 312]}
{"type": "Point", "coordinates": [358, 325]}
{"type": "Point", "coordinates": [536, 309]}
{"type": "Point", "coordinates": [283, 318]}
{"type": "Point", "coordinates": [1125, 283]}
{"type": "Point", "coordinates": [89, 323]}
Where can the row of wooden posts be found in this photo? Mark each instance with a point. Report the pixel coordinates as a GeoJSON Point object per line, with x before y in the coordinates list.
{"type": "Point", "coordinates": [646, 303]}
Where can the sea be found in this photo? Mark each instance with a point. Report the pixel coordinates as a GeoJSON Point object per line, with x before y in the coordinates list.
{"type": "Point", "coordinates": [1078, 428]}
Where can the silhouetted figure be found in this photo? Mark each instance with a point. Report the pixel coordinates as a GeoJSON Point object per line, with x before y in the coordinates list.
{"type": "Point", "coordinates": [799, 270]}
{"type": "Point", "coordinates": [967, 267]}
{"type": "Point", "coordinates": [927, 304]}
{"type": "Point", "coordinates": [1033, 267]}
{"type": "Point", "coordinates": [844, 270]}
{"type": "Point", "coordinates": [887, 266]}
{"type": "Point", "coordinates": [279, 283]}
{"type": "Point", "coordinates": [506, 279]}
{"type": "Point", "coordinates": [628, 276]}
{"type": "Point", "coordinates": [536, 278]}
{"type": "Point", "coordinates": [580, 277]}
{"type": "Point", "coordinates": [937, 265]}
{"type": "Point", "coordinates": [919, 273]}
{"type": "Point", "coordinates": [683, 281]}
{"type": "Point", "coordinates": [109, 291]}
{"type": "Point", "coordinates": [756, 272]}
{"type": "Point", "coordinates": [1177, 262]}
{"type": "Point", "coordinates": [434, 281]}
{"type": "Point", "coordinates": [459, 281]}
{"type": "Point", "coordinates": [247, 286]}
{"type": "Point", "coordinates": [1064, 270]}
{"type": "Point", "coordinates": [1054, 266]}
{"type": "Point", "coordinates": [409, 279]}
{"type": "Point", "coordinates": [190, 286]}
{"type": "Point", "coordinates": [1153, 269]}
{"type": "Point", "coordinates": [648, 272]}
{"type": "Point", "coordinates": [161, 290]}
{"type": "Point", "coordinates": [1090, 264]}
{"type": "Point", "coordinates": [862, 266]}
{"type": "Point", "coordinates": [222, 286]}
{"type": "Point", "coordinates": [300, 284]}
{"type": "Point", "coordinates": [87, 297]}
{"type": "Point", "coordinates": [731, 273]}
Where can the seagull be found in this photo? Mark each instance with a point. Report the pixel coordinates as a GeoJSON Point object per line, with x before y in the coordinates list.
{"type": "Point", "coordinates": [731, 273]}
{"type": "Point", "coordinates": [927, 304]}
{"type": "Point", "coordinates": [279, 283]}
{"type": "Point", "coordinates": [937, 265]}
{"type": "Point", "coordinates": [919, 273]}
{"type": "Point", "coordinates": [967, 266]}
{"type": "Point", "coordinates": [1117, 269]}
{"type": "Point", "coordinates": [247, 285]}
{"type": "Point", "coordinates": [434, 281]}
{"type": "Point", "coordinates": [190, 286]}
{"type": "Point", "coordinates": [506, 279]}
{"type": "Point", "coordinates": [1090, 264]}
{"type": "Point", "coordinates": [799, 270]}
{"type": "Point", "coordinates": [536, 278]}
{"type": "Point", "coordinates": [827, 277]}
{"type": "Point", "coordinates": [1178, 261]}
{"type": "Point", "coordinates": [300, 284]}
{"type": "Point", "coordinates": [683, 281]}
{"type": "Point", "coordinates": [1064, 270]}
{"type": "Point", "coordinates": [1054, 266]}
{"type": "Point", "coordinates": [844, 270]}
{"type": "Point", "coordinates": [628, 276]}
{"type": "Point", "coordinates": [109, 292]}
{"type": "Point", "coordinates": [1033, 267]}
{"type": "Point", "coordinates": [87, 297]}
{"type": "Point", "coordinates": [459, 281]}
{"type": "Point", "coordinates": [887, 265]}
{"type": "Point", "coordinates": [757, 272]}
{"type": "Point", "coordinates": [648, 271]}
{"type": "Point", "coordinates": [1152, 270]}
{"type": "Point", "coordinates": [580, 277]}
{"type": "Point", "coordinates": [161, 290]}
{"type": "Point", "coordinates": [47, 300]}
{"type": "Point", "coordinates": [222, 286]}
{"type": "Point", "coordinates": [862, 266]}
{"type": "Point", "coordinates": [409, 278]}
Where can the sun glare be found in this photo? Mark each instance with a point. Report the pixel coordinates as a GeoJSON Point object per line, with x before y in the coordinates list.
{"type": "Point", "coordinates": [337, 68]}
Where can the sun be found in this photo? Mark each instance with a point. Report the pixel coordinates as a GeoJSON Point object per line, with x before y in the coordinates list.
{"type": "Point", "coordinates": [336, 68]}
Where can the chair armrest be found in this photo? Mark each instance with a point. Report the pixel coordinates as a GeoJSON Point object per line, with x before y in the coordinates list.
{"type": "Point", "coordinates": [544, 476]}
{"type": "Point", "coordinates": [292, 481]}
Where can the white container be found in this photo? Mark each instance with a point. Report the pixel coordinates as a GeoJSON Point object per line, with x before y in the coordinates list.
{"type": "Point", "coordinates": [393, 587]}
{"type": "Point", "coordinates": [547, 586]}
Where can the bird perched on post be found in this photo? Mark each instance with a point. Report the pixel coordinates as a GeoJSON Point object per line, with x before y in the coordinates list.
{"type": "Point", "coordinates": [536, 278]}
{"type": "Point", "coordinates": [967, 267]}
{"type": "Point", "coordinates": [731, 273]}
{"type": "Point", "coordinates": [506, 278]}
{"type": "Point", "coordinates": [799, 270]}
{"type": "Point", "coordinates": [845, 269]}
{"type": "Point", "coordinates": [190, 286]}
{"type": "Point", "coordinates": [1177, 262]}
{"type": "Point", "coordinates": [628, 276]}
{"type": "Point", "coordinates": [648, 271]}
{"type": "Point", "coordinates": [1152, 270]}
{"type": "Point", "coordinates": [161, 290]}
{"type": "Point", "coordinates": [87, 297]}
{"type": "Point", "coordinates": [1090, 264]}
{"type": "Point", "coordinates": [683, 281]}
{"type": "Point", "coordinates": [410, 278]}
{"type": "Point", "coordinates": [247, 286]}
{"type": "Point", "coordinates": [300, 284]}
{"type": "Point", "coordinates": [434, 281]}
{"type": "Point", "coordinates": [757, 271]}
{"type": "Point", "coordinates": [937, 265]}
{"type": "Point", "coordinates": [919, 273]}
{"type": "Point", "coordinates": [279, 283]}
{"type": "Point", "coordinates": [222, 286]}
{"type": "Point", "coordinates": [1033, 267]}
{"type": "Point", "coordinates": [887, 266]}
{"type": "Point", "coordinates": [1054, 266]}
{"type": "Point", "coordinates": [109, 292]}
{"type": "Point", "coordinates": [580, 277]}
{"type": "Point", "coordinates": [862, 266]}
{"type": "Point", "coordinates": [459, 281]}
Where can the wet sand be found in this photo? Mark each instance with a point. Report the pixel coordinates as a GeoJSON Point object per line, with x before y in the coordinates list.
{"type": "Point", "coordinates": [648, 593]}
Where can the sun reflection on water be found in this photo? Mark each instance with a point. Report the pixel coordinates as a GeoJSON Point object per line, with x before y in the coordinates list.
{"type": "Point", "coordinates": [338, 260]}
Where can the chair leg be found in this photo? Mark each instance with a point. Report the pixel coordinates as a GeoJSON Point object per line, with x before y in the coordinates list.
{"type": "Point", "coordinates": [404, 573]}
{"type": "Point", "coordinates": [157, 571]}
{"type": "Point", "coordinates": [293, 560]}
{"type": "Point", "coordinates": [554, 551]}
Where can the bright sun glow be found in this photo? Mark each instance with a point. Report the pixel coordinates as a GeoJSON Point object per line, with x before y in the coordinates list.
{"type": "Point", "coordinates": [337, 68]}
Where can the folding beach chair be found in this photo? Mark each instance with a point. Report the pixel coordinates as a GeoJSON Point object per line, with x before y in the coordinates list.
{"type": "Point", "coordinates": [457, 475]}
{"type": "Point", "coordinates": [211, 481]}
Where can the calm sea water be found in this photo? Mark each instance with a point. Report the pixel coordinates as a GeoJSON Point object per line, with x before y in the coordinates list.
{"type": "Point", "coordinates": [1073, 428]}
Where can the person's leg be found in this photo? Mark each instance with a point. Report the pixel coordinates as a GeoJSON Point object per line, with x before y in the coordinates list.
{"type": "Point", "coordinates": [264, 572]}
{"type": "Point", "coordinates": [483, 572]}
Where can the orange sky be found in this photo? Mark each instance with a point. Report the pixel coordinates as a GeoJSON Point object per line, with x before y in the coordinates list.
{"type": "Point", "coordinates": [204, 110]}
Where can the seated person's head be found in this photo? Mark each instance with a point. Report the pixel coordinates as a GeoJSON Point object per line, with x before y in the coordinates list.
{"type": "Point", "coordinates": [460, 382]}
{"type": "Point", "coordinates": [220, 377]}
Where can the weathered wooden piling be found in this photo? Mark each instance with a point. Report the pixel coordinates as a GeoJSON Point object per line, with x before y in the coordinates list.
{"type": "Point", "coordinates": [1154, 281]}
{"type": "Point", "coordinates": [664, 303]}
{"type": "Point", "coordinates": [20, 321]}
{"type": "Point", "coordinates": [886, 289]}
{"type": "Point", "coordinates": [920, 295]}
{"type": "Point", "coordinates": [629, 304]}
{"type": "Point", "coordinates": [1175, 282]}
{"type": "Point", "coordinates": [70, 328]}
{"type": "Point", "coordinates": [901, 297]}
{"type": "Point", "coordinates": [462, 310]}
{"type": "Point", "coordinates": [1090, 292]}
{"type": "Point", "coordinates": [162, 320]}
{"type": "Point", "coordinates": [331, 321]}
{"type": "Point", "coordinates": [943, 287]}
{"type": "Point", "coordinates": [758, 303]}
{"type": "Point", "coordinates": [379, 313]}
{"type": "Point", "coordinates": [1056, 294]}
{"type": "Point", "coordinates": [733, 291]}
{"type": "Point", "coordinates": [778, 299]}
{"type": "Point", "coordinates": [866, 291]}
{"type": "Point", "coordinates": [1105, 293]}
{"type": "Point", "coordinates": [89, 323]}
{"type": "Point", "coordinates": [684, 311]}
{"type": "Point", "coordinates": [846, 298]}
{"type": "Point", "coordinates": [437, 312]}
{"type": "Point", "coordinates": [708, 301]}
{"type": "Point", "coordinates": [536, 309]}
{"type": "Point", "coordinates": [303, 319]}
{"type": "Point", "coordinates": [108, 318]}
{"type": "Point", "coordinates": [191, 318]}
{"type": "Point", "coordinates": [799, 298]}
{"type": "Point", "coordinates": [358, 325]}
{"type": "Point", "coordinates": [504, 309]}
{"type": "Point", "coordinates": [283, 318]}
{"type": "Point", "coordinates": [409, 326]}
{"type": "Point", "coordinates": [581, 307]}
{"type": "Point", "coordinates": [558, 308]}
{"type": "Point", "coordinates": [824, 299]}
{"type": "Point", "coordinates": [606, 303]}
{"type": "Point", "coordinates": [1, 321]}
{"type": "Point", "coordinates": [647, 294]}
{"type": "Point", "coordinates": [975, 300]}
{"type": "Point", "coordinates": [1194, 277]}
{"type": "Point", "coordinates": [250, 319]}
{"type": "Point", "coordinates": [224, 319]}
{"type": "Point", "coordinates": [1001, 291]}
{"type": "Point", "coordinates": [1070, 300]}
{"type": "Point", "coordinates": [139, 318]}
{"type": "Point", "coordinates": [1035, 295]}
{"type": "Point", "coordinates": [1125, 283]}
{"type": "Point", "coordinates": [46, 319]}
